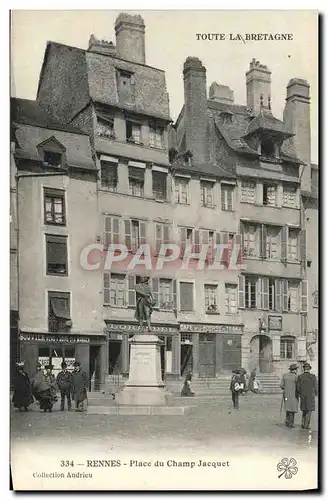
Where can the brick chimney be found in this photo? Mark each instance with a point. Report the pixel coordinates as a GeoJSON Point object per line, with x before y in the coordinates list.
{"type": "Point", "coordinates": [221, 93]}
{"type": "Point", "coordinates": [195, 99]}
{"type": "Point", "coordinates": [101, 46]}
{"type": "Point", "coordinates": [297, 120]}
{"type": "Point", "coordinates": [130, 38]}
{"type": "Point", "coordinates": [258, 86]}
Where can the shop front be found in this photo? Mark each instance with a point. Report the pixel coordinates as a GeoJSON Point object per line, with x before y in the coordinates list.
{"type": "Point", "coordinates": [118, 355]}
{"type": "Point", "coordinates": [89, 350]}
{"type": "Point", "coordinates": [210, 350]}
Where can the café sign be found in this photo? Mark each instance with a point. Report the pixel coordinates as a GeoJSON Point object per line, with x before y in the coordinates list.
{"type": "Point", "coordinates": [55, 339]}
{"type": "Point", "coordinates": [121, 327]}
{"type": "Point", "coordinates": [203, 328]}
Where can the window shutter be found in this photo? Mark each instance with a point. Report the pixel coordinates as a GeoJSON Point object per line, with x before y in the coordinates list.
{"type": "Point", "coordinates": [285, 295]}
{"type": "Point", "coordinates": [196, 241]}
{"type": "Point", "coordinates": [302, 240]}
{"type": "Point", "coordinates": [224, 237]}
{"type": "Point", "coordinates": [127, 228]}
{"type": "Point", "coordinates": [183, 237]}
{"type": "Point", "coordinates": [186, 296]}
{"type": "Point", "coordinates": [155, 290]}
{"type": "Point", "coordinates": [237, 243]}
{"type": "Point", "coordinates": [116, 230]}
{"type": "Point", "coordinates": [263, 241]}
{"type": "Point", "coordinates": [304, 296]}
{"type": "Point", "coordinates": [106, 288]}
{"type": "Point", "coordinates": [159, 236]}
{"type": "Point", "coordinates": [258, 293]}
{"type": "Point", "coordinates": [265, 293]}
{"type": "Point", "coordinates": [241, 292]}
{"type": "Point", "coordinates": [204, 237]}
{"type": "Point", "coordinates": [142, 229]}
{"type": "Point", "coordinates": [278, 297]}
{"type": "Point", "coordinates": [131, 290]}
{"type": "Point", "coordinates": [301, 348]}
{"type": "Point", "coordinates": [166, 233]}
{"type": "Point", "coordinates": [108, 231]}
{"type": "Point", "coordinates": [284, 240]}
{"type": "Point", "coordinates": [174, 287]}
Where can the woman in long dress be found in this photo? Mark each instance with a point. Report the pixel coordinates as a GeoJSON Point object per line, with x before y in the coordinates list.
{"type": "Point", "coordinates": [186, 389]}
{"type": "Point", "coordinates": [22, 396]}
{"type": "Point", "coordinates": [44, 388]}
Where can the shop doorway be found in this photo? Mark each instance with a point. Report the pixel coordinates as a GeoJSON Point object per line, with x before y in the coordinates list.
{"type": "Point", "coordinates": [94, 368]}
{"type": "Point", "coordinates": [114, 357]}
{"type": "Point", "coordinates": [261, 353]}
{"type": "Point", "coordinates": [207, 355]}
{"type": "Point", "coordinates": [186, 359]}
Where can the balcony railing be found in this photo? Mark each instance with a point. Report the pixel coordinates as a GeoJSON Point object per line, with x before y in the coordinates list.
{"type": "Point", "coordinates": [59, 325]}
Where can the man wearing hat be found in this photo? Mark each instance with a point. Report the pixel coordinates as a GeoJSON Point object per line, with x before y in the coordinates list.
{"type": "Point", "coordinates": [79, 387]}
{"type": "Point", "coordinates": [235, 387]}
{"type": "Point", "coordinates": [307, 389]}
{"type": "Point", "coordinates": [65, 382]}
{"type": "Point", "coordinates": [288, 385]}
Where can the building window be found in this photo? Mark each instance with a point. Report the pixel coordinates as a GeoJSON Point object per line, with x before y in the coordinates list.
{"type": "Point", "coordinates": [111, 230]}
{"type": "Point", "coordinates": [162, 235]}
{"type": "Point", "coordinates": [272, 305]}
{"type": "Point", "coordinates": [186, 237]}
{"type": "Point", "coordinates": [133, 132]}
{"type": "Point", "coordinates": [56, 255]}
{"type": "Point", "coordinates": [206, 193]}
{"type": "Point", "coordinates": [59, 317]}
{"type": "Point", "coordinates": [231, 299]}
{"type": "Point", "coordinates": [292, 248]}
{"type": "Point", "coordinates": [126, 85]}
{"type": "Point", "coordinates": [165, 294]}
{"type": "Point", "coordinates": [186, 338]}
{"type": "Point", "coordinates": [272, 242]}
{"type": "Point", "coordinates": [135, 234]}
{"type": "Point", "coordinates": [119, 290]}
{"type": "Point", "coordinates": [227, 193]}
{"type": "Point", "coordinates": [250, 292]}
{"type": "Point", "coordinates": [250, 240]}
{"type": "Point", "coordinates": [268, 147]}
{"type": "Point", "coordinates": [289, 196]}
{"type": "Point", "coordinates": [186, 296]}
{"type": "Point", "coordinates": [108, 174]}
{"type": "Point", "coordinates": [248, 192]}
{"type": "Point", "coordinates": [293, 296]}
{"type": "Point", "coordinates": [156, 137]}
{"type": "Point", "coordinates": [159, 185]}
{"type": "Point", "coordinates": [53, 159]}
{"type": "Point", "coordinates": [269, 195]}
{"type": "Point", "coordinates": [105, 128]}
{"type": "Point", "coordinates": [181, 190]}
{"type": "Point", "coordinates": [54, 207]}
{"type": "Point", "coordinates": [287, 348]}
{"type": "Point", "coordinates": [211, 299]}
{"type": "Point", "coordinates": [136, 181]}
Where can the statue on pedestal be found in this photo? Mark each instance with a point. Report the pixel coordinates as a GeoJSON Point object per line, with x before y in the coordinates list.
{"type": "Point", "coordinates": [145, 302]}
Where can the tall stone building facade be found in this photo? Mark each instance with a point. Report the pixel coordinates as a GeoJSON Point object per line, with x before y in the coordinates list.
{"type": "Point", "coordinates": [223, 174]}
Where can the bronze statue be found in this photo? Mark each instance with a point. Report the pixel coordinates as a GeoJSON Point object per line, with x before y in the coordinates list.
{"type": "Point", "coordinates": [145, 302]}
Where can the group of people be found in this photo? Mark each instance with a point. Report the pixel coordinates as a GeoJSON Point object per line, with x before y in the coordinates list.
{"type": "Point", "coordinates": [241, 383]}
{"type": "Point", "coordinates": [304, 388]}
{"type": "Point", "coordinates": [44, 385]}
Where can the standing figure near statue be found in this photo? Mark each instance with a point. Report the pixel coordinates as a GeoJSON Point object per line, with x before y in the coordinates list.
{"type": "Point", "coordinates": [288, 384]}
{"type": "Point", "coordinates": [306, 390]}
{"type": "Point", "coordinates": [145, 302]}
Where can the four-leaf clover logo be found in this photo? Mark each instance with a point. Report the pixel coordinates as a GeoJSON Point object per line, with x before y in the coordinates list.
{"type": "Point", "coordinates": [287, 468]}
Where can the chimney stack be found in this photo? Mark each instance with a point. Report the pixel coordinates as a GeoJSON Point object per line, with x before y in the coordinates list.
{"type": "Point", "coordinates": [195, 99]}
{"type": "Point", "coordinates": [130, 38]}
{"type": "Point", "coordinates": [221, 93]}
{"type": "Point", "coordinates": [101, 46]}
{"type": "Point", "coordinates": [258, 86]}
{"type": "Point", "coordinates": [297, 121]}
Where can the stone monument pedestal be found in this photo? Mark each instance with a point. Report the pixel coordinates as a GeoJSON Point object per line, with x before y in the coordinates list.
{"type": "Point", "coordinates": [145, 386]}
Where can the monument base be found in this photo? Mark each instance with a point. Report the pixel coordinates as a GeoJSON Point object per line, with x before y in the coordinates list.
{"type": "Point", "coordinates": [144, 396]}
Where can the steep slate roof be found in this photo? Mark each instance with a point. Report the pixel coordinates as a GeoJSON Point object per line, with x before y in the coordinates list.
{"type": "Point", "coordinates": [265, 120]}
{"type": "Point", "coordinates": [28, 112]}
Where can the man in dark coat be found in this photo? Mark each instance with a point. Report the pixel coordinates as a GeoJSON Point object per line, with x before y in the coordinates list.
{"type": "Point", "coordinates": [235, 388]}
{"type": "Point", "coordinates": [65, 382]}
{"type": "Point", "coordinates": [307, 389]}
{"type": "Point", "coordinates": [79, 387]}
{"type": "Point", "coordinates": [22, 396]}
{"type": "Point", "coordinates": [288, 385]}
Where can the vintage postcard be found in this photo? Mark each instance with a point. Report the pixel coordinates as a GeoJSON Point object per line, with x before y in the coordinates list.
{"type": "Point", "coordinates": [164, 250]}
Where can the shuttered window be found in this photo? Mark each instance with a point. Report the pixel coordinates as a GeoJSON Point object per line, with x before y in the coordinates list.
{"type": "Point", "coordinates": [119, 289]}
{"type": "Point", "coordinates": [136, 181]}
{"type": "Point", "coordinates": [162, 235]}
{"type": "Point", "coordinates": [56, 255]}
{"type": "Point", "coordinates": [135, 234]}
{"type": "Point", "coordinates": [251, 239]}
{"type": "Point", "coordinates": [272, 242]}
{"type": "Point", "coordinates": [206, 193]}
{"type": "Point", "coordinates": [270, 195]}
{"type": "Point", "coordinates": [227, 197]}
{"type": "Point", "coordinates": [287, 347]}
{"type": "Point", "coordinates": [186, 296]}
{"type": "Point", "coordinates": [108, 175]}
{"type": "Point", "coordinates": [231, 299]}
{"type": "Point", "coordinates": [211, 299]}
{"type": "Point", "coordinates": [156, 137]}
{"type": "Point", "coordinates": [164, 291]}
{"type": "Point", "coordinates": [159, 185]}
{"type": "Point", "coordinates": [293, 296]}
{"type": "Point", "coordinates": [250, 292]}
{"type": "Point", "coordinates": [111, 230]}
{"type": "Point", "coordinates": [289, 196]}
{"type": "Point", "coordinates": [248, 192]}
{"type": "Point", "coordinates": [181, 190]}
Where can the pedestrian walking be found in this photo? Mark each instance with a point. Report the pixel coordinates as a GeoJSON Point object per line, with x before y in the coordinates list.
{"type": "Point", "coordinates": [65, 382]}
{"type": "Point", "coordinates": [306, 390]}
{"type": "Point", "coordinates": [235, 388]}
{"type": "Point", "coordinates": [186, 389]}
{"type": "Point", "coordinates": [49, 396]}
{"type": "Point", "coordinates": [253, 383]}
{"type": "Point", "coordinates": [22, 397]}
{"type": "Point", "coordinates": [242, 380]}
{"type": "Point", "coordinates": [288, 385]}
{"type": "Point", "coordinates": [79, 387]}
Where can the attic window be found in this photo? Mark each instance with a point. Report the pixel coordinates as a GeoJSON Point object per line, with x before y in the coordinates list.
{"type": "Point", "coordinates": [105, 127]}
{"type": "Point", "coordinates": [226, 117]}
{"type": "Point", "coordinates": [53, 159]}
{"type": "Point", "coordinates": [125, 86]}
{"type": "Point", "coordinates": [268, 148]}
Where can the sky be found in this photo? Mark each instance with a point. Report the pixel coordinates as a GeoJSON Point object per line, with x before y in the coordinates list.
{"type": "Point", "coordinates": [171, 38]}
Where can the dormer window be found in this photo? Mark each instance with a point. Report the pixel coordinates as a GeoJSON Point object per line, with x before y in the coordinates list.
{"type": "Point", "coordinates": [133, 132]}
{"type": "Point", "coordinates": [53, 159]}
{"type": "Point", "coordinates": [125, 86]}
{"type": "Point", "coordinates": [268, 148]}
{"type": "Point", "coordinates": [105, 128]}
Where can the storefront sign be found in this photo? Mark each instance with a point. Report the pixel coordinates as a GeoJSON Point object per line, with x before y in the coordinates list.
{"type": "Point", "coordinates": [136, 328]}
{"type": "Point", "coordinates": [203, 328]}
{"type": "Point", "coordinates": [275, 322]}
{"type": "Point", "coordinates": [55, 339]}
